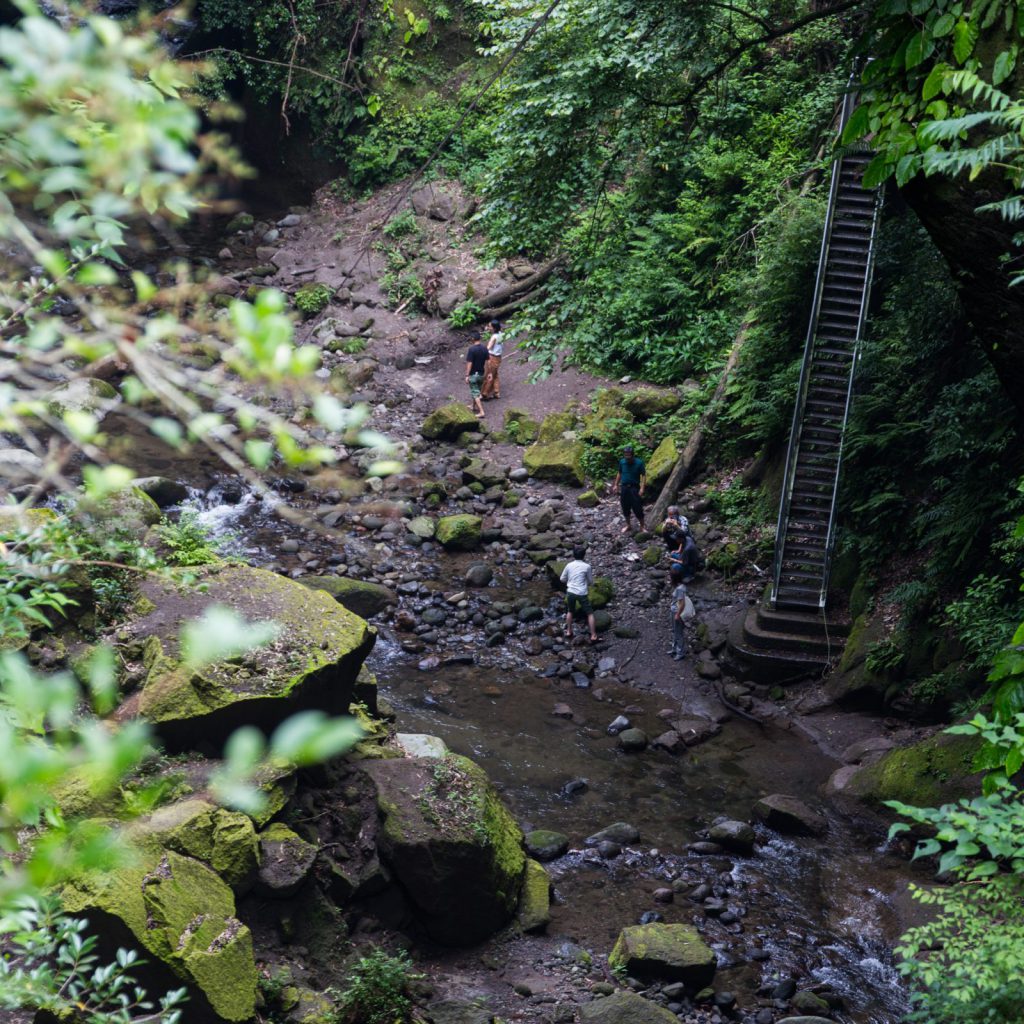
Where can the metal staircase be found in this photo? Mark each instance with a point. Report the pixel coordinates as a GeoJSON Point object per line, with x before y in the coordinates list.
{"type": "Point", "coordinates": [803, 543]}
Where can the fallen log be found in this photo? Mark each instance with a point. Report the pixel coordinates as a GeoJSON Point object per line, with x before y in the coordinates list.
{"type": "Point", "coordinates": [681, 470]}
{"type": "Point", "coordinates": [501, 295]}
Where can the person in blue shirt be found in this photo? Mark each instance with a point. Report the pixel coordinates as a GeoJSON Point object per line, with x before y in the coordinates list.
{"type": "Point", "coordinates": [630, 481]}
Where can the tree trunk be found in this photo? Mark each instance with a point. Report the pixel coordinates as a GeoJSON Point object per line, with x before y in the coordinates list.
{"type": "Point", "coordinates": [975, 246]}
{"type": "Point", "coordinates": [502, 295]}
{"type": "Point", "coordinates": [681, 470]}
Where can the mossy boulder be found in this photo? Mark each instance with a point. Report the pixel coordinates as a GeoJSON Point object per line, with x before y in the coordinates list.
{"type": "Point", "coordinates": [853, 683]}
{"type": "Point", "coordinates": [936, 771]}
{"type": "Point", "coordinates": [588, 499]}
{"type": "Point", "coordinates": [130, 511]}
{"type": "Point", "coordinates": [313, 663]}
{"type": "Point", "coordinates": [660, 464]}
{"type": "Point", "coordinates": [488, 474]}
{"type": "Point", "coordinates": [286, 859]}
{"type": "Point", "coordinates": [561, 461]}
{"type": "Point", "coordinates": [459, 533]}
{"type": "Point", "coordinates": [312, 298]}
{"type": "Point", "coordinates": [535, 899]}
{"type": "Point", "coordinates": [556, 424]}
{"type": "Point", "coordinates": [623, 1007]}
{"type": "Point", "coordinates": [664, 952]}
{"type": "Point", "coordinates": [358, 596]}
{"type": "Point", "coordinates": [177, 910]}
{"type": "Point", "coordinates": [545, 844]}
{"type": "Point", "coordinates": [83, 394]}
{"type": "Point", "coordinates": [163, 491]}
{"type": "Point", "coordinates": [447, 422]}
{"type": "Point", "coordinates": [225, 840]}
{"type": "Point", "coordinates": [648, 403]}
{"type": "Point", "coordinates": [451, 843]}
{"type": "Point", "coordinates": [520, 427]}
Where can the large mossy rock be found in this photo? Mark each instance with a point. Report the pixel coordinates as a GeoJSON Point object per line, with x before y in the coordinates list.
{"type": "Point", "coordinates": [286, 859]}
{"type": "Point", "coordinates": [520, 427]}
{"type": "Point", "coordinates": [452, 845]}
{"type": "Point", "coordinates": [561, 462]}
{"type": "Point", "coordinates": [936, 771]}
{"type": "Point", "coordinates": [853, 684]}
{"type": "Point", "coordinates": [555, 425]}
{"type": "Point", "coordinates": [83, 394]}
{"type": "Point", "coordinates": [664, 952]}
{"type": "Point", "coordinates": [624, 1007]}
{"type": "Point", "coordinates": [358, 596]}
{"type": "Point", "coordinates": [314, 662]}
{"type": "Point", "coordinates": [459, 533]}
{"type": "Point", "coordinates": [448, 422]}
{"type": "Point", "coordinates": [183, 915]}
{"type": "Point", "coordinates": [535, 899]}
{"type": "Point", "coordinates": [225, 840]}
{"type": "Point", "coordinates": [130, 511]}
{"type": "Point", "coordinates": [660, 464]}
{"type": "Point", "coordinates": [648, 403]}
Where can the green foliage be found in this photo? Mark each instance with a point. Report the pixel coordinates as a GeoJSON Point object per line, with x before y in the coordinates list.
{"type": "Point", "coordinates": [353, 346]}
{"type": "Point", "coordinates": [51, 964]}
{"type": "Point", "coordinates": [311, 299]}
{"type": "Point", "coordinates": [402, 225]}
{"type": "Point", "coordinates": [187, 540]}
{"type": "Point", "coordinates": [983, 618]}
{"type": "Point", "coordinates": [374, 991]}
{"type": "Point", "coordinates": [403, 288]}
{"type": "Point", "coordinates": [465, 314]}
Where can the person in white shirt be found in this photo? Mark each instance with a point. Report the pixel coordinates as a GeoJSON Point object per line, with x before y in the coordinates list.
{"type": "Point", "coordinates": [578, 578]}
{"type": "Point", "coordinates": [495, 349]}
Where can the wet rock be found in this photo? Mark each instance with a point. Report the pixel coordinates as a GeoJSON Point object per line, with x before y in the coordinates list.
{"type": "Point", "coordinates": [608, 850]}
{"type": "Point", "coordinates": [671, 742]}
{"type": "Point", "coordinates": [664, 895]}
{"type": "Point", "coordinates": [784, 989]}
{"type": "Point", "coordinates": [574, 787]}
{"type": "Point", "coordinates": [788, 815]}
{"type": "Point", "coordinates": [285, 861]}
{"type": "Point", "coordinates": [650, 917]}
{"type": "Point", "coordinates": [434, 616]}
{"type": "Point", "coordinates": [531, 613]}
{"type": "Point", "coordinates": [534, 911]}
{"type": "Point", "coordinates": [163, 491]}
{"type": "Point", "coordinates": [623, 1007]}
{"type": "Point", "coordinates": [619, 832]}
{"type": "Point", "coordinates": [618, 725]}
{"type": "Point", "coordinates": [580, 681]}
{"type": "Point", "coordinates": [633, 740]}
{"type": "Point", "coordinates": [665, 952]}
{"type": "Point", "coordinates": [459, 532]}
{"type": "Point", "coordinates": [362, 598]}
{"type": "Point", "coordinates": [546, 845]}
{"type": "Point", "coordinates": [447, 422]}
{"type": "Point", "coordinates": [798, 1020]}
{"type": "Point", "coordinates": [420, 745]}
{"type": "Point", "coordinates": [810, 1004]}
{"type": "Point", "coordinates": [696, 730]}
{"type": "Point", "coordinates": [519, 476]}
{"type": "Point", "coordinates": [733, 835]}
{"type": "Point", "coordinates": [82, 394]}
{"type": "Point", "coordinates": [479, 575]}
{"type": "Point", "coordinates": [705, 849]}
{"type": "Point", "coordinates": [429, 663]}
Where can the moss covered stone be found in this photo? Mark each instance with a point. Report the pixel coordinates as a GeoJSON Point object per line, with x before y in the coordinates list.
{"type": "Point", "coordinates": [285, 861]}
{"type": "Point", "coordinates": [451, 843]}
{"type": "Point", "coordinates": [312, 298]}
{"type": "Point", "coordinates": [358, 596]}
{"type": "Point", "coordinates": [652, 555]}
{"type": "Point", "coordinates": [129, 511]}
{"type": "Point", "coordinates": [226, 840]}
{"type": "Point", "coordinates": [556, 424]}
{"type": "Point", "coordinates": [520, 428]}
{"type": "Point", "coordinates": [624, 1007]}
{"type": "Point", "coordinates": [534, 912]}
{"type": "Point", "coordinates": [660, 464]}
{"type": "Point", "coordinates": [447, 422]}
{"type": "Point", "coordinates": [459, 533]}
{"type": "Point", "coordinates": [936, 771]}
{"type": "Point", "coordinates": [558, 461]}
{"type": "Point", "coordinates": [648, 403]}
{"type": "Point", "coordinates": [313, 663]}
{"type": "Point", "coordinates": [83, 394]}
{"type": "Point", "coordinates": [666, 952]}
{"type": "Point", "coordinates": [183, 915]}
{"type": "Point", "coordinates": [588, 499]}
{"type": "Point", "coordinates": [422, 526]}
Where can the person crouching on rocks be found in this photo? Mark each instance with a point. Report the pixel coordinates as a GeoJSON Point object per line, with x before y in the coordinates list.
{"type": "Point", "coordinates": [578, 578]}
{"type": "Point", "coordinates": [495, 346]}
{"type": "Point", "coordinates": [476, 361]}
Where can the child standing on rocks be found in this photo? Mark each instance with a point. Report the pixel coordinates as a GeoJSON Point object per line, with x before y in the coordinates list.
{"type": "Point", "coordinates": [678, 608]}
{"type": "Point", "coordinates": [578, 578]}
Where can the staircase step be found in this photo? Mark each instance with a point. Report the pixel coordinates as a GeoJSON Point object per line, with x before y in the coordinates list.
{"type": "Point", "coordinates": [774, 621]}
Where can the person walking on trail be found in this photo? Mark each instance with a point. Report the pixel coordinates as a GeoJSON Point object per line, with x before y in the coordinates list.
{"type": "Point", "coordinates": [578, 578]}
{"type": "Point", "coordinates": [495, 347]}
{"type": "Point", "coordinates": [476, 360]}
{"type": "Point", "coordinates": [630, 481]}
{"type": "Point", "coordinates": [681, 609]}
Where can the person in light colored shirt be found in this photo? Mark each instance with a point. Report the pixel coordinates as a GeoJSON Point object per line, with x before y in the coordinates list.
{"type": "Point", "coordinates": [495, 349]}
{"type": "Point", "coordinates": [578, 578]}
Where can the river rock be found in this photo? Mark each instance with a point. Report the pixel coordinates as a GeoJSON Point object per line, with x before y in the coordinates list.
{"type": "Point", "coordinates": [313, 663]}
{"type": "Point", "coordinates": [558, 461]}
{"type": "Point", "coordinates": [127, 512]}
{"type": "Point", "coordinates": [488, 474]}
{"type": "Point", "coordinates": [733, 835]}
{"type": "Point", "coordinates": [788, 815]}
{"type": "Point", "coordinates": [664, 952]}
{"type": "Point", "coordinates": [358, 596]}
{"type": "Point", "coordinates": [624, 1007]}
{"type": "Point", "coordinates": [422, 526]}
{"type": "Point", "coordinates": [670, 741]}
{"type": "Point", "coordinates": [647, 403]}
{"type": "Point", "coordinates": [867, 749]}
{"type": "Point", "coordinates": [415, 744]}
{"type": "Point", "coordinates": [696, 730]}
{"type": "Point", "coordinates": [455, 1011]}
{"type": "Point", "coordinates": [183, 916]}
{"type": "Point", "coordinates": [285, 861]}
{"type": "Point", "coordinates": [607, 849]}
{"type": "Point", "coordinates": [534, 912]}
{"type": "Point", "coordinates": [618, 725]}
{"type": "Point", "coordinates": [83, 394]}
{"type": "Point", "coordinates": [451, 843]}
{"type": "Point", "coordinates": [479, 575]}
{"type": "Point", "coordinates": [163, 491]}
{"type": "Point", "coordinates": [18, 466]}
{"type": "Point", "coordinates": [633, 740]}
{"type": "Point", "coordinates": [619, 832]}
{"type": "Point", "coordinates": [447, 422]}
{"type": "Point", "coordinates": [546, 845]}
{"type": "Point", "coordinates": [809, 1003]}
{"type": "Point", "coordinates": [459, 532]}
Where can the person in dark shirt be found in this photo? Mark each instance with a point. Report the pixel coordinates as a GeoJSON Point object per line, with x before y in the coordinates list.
{"type": "Point", "coordinates": [630, 481]}
{"type": "Point", "coordinates": [476, 360]}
